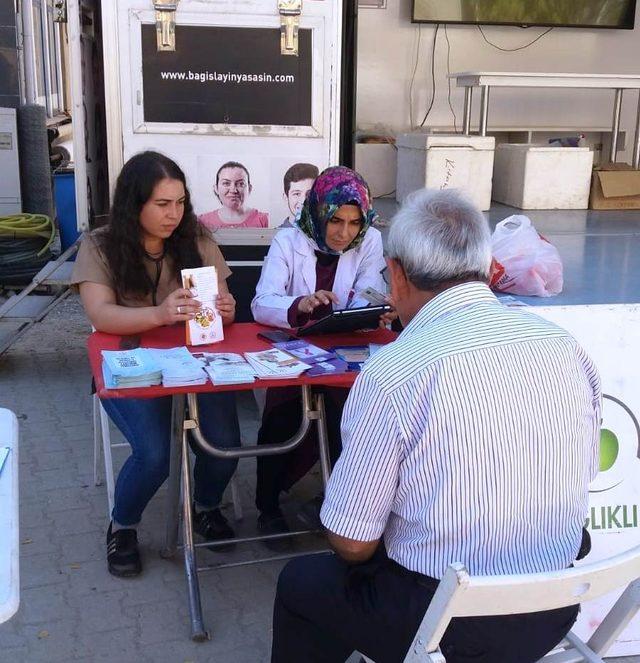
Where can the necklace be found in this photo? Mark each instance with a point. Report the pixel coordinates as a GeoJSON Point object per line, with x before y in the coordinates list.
{"type": "Point", "coordinates": [155, 257]}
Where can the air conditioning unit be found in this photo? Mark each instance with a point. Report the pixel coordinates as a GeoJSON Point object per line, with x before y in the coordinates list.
{"type": "Point", "coordinates": [10, 199]}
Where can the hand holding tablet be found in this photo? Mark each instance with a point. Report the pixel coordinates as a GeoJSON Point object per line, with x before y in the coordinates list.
{"type": "Point", "coordinates": [346, 320]}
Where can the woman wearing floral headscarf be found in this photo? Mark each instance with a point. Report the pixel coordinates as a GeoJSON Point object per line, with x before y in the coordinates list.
{"type": "Point", "coordinates": [330, 255]}
{"type": "Point", "coordinates": [322, 263]}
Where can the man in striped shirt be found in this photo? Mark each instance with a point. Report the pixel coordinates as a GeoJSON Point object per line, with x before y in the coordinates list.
{"type": "Point", "coordinates": [472, 438]}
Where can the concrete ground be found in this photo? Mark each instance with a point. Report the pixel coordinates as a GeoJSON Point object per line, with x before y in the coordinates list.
{"type": "Point", "coordinates": [71, 608]}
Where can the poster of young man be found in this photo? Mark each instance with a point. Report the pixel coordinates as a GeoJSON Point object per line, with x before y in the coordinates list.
{"type": "Point", "coordinates": [296, 183]}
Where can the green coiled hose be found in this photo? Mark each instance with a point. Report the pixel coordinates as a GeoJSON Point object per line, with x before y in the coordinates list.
{"type": "Point", "coordinates": [28, 226]}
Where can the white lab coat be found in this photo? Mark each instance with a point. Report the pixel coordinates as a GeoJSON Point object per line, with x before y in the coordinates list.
{"type": "Point", "coordinates": [289, 272]}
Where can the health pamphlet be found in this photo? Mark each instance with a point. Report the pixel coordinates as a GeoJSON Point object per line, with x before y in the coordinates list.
{"type": "Point", "coordinates": [146, 367]}
{"type": "Point", "coordinates": [130, 368]}
{"type": "Point", "coordinates": [227, 368]}
{"type": "Point", "coordinates": [311, 354]}
{"type": "Point", "coordinates": [274, 364]}
{"type": "Point", "coordinates": [206, 327]}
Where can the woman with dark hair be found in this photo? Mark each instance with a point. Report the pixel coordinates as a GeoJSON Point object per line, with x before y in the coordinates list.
{"type": "Point", "coordinates": [128, 276]}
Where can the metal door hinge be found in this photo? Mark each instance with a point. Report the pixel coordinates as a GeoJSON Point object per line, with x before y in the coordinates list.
{"type": "Point", "coordinates": [60, 11]}
{"type": "Point", "coordinates": [289, 11]}
{"type": "Point", "coordinates": [166, 24]}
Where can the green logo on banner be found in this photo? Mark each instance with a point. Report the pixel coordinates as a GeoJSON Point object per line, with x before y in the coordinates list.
{"type": "Point", "coordinates": [623, 430]}
{"type": "Point", "coordinates": [609, 448]}
{"type": "Point", "coordinates": [615, 455]}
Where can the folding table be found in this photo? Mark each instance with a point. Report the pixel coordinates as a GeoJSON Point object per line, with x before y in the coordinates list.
{"type": "Point", "coordinates": [485, 80]}
{"type": "Point", "coordinates": [239, 338]}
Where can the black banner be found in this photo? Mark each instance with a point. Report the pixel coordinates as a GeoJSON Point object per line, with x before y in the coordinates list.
{"type": "Point", "coordinates": [223, 75]}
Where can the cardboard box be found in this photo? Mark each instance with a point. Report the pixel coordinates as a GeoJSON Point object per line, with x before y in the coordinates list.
{"type": "Point", "coordinates": [615, 186]}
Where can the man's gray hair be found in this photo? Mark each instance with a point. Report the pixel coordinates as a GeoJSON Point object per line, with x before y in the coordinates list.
{"type": "Point", "coordinates": [438, 237]}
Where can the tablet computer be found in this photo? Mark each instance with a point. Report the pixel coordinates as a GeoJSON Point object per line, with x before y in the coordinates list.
{"type": "Point", "coordinates": [346, 320]}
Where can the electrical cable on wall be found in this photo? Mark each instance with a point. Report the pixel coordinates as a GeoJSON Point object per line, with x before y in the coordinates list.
{"type": "Point", "coordinates": [433, 75]}
{"type": "Point", "coordinates": [518, 48]}
{"type": "Point", "coordinates": [433, 72]}
{"type": "Point", "coordinates": [455, 119]}
{"type": "Point", "coordinates": [413, 76]}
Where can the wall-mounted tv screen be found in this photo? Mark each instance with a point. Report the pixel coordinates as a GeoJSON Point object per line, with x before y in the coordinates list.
{"type": "Point", "coordinates": [560, 13]}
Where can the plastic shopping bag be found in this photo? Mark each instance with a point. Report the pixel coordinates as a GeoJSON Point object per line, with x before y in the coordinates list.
{"type": "Point", "coordinates": [525, 263]}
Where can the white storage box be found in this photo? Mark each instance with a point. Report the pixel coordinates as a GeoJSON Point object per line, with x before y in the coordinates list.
{"type": "Point", "coordinates": [446, 161]}
{"type": "Point", "coordinates": [376, 162]}
{"type": "Point", "coordinates": [542, 176]}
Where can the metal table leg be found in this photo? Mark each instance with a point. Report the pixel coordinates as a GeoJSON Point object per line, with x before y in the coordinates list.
{"type": "Point", "coordinates": [468, 103]}
{"type": "Point", "coordinates": [173, 482]}
{"type": "Point", "coordinates": [323, 440]}
{"type": "Point", "coordinates": [636, 144]}
{"type": "Point", "coordinates": [484, 110]}
{"type": "Point", "coordinates": [308, 414]}
{"type": "Point", "coordinates": [198, 631]}
{"type": "Point", "coordinates": [615, 126]}
{"type": "Point", "coordinates": [312, 409]}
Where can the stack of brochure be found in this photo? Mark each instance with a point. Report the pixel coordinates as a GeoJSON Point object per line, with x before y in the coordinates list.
{"type": "Point", "coordinates": [275, 364]}
{"type": "Point", "coordinates": [309, 353]}
{"type": "Point", "coordinates": [227, 368]}
{"type": "Point", "coordinates": [130, 368]}
{"type": "Point", "coordinates": [354, 355]}
{"type": "Point", "coordinates": [322, 361]}
{"type": "Point", "coordinates": [179, 367]}
{"type": "Point", "coordinates": [146, 367]}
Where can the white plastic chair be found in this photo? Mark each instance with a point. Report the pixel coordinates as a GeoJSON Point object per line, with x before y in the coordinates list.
{"type": "Point", "coordinates": [9, 517]}
{"type": "Point", "coordinates": [102, 447]}
{"type": "Point", "coordinates": [461, 595]}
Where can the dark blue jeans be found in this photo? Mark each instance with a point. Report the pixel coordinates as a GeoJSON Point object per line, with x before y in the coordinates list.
{"type": "Point", "coordinates": [146, 424]}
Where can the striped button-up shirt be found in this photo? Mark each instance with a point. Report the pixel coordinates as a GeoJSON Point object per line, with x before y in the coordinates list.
{"type": "Point", "coordinates": [472, 438]}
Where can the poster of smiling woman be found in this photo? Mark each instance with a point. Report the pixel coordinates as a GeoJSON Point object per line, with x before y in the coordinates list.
{"type": "Point", "coordinates": [232, 187]}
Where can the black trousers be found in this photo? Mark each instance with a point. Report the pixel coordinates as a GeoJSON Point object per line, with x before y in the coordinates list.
{"type": "Point", "coordinates": [280, 422]}
{"type": "Point", "coordinates": [325, 609]}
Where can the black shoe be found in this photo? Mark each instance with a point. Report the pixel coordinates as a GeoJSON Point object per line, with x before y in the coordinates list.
{"type": "Point", "coordinates": [123, 557]}
{"type": "Point", "coordinates": [309, 513]}
{"type": "Point", "coordinates": [213, 526]}
{"type": "Point", "coordinates": [274, 522]}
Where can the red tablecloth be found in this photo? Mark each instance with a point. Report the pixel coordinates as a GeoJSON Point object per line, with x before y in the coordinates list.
{"type": "Point", "coordinates": [239, 337]}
